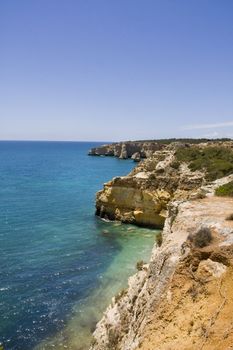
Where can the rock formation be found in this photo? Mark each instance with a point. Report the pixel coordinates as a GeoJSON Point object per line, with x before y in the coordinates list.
{"type": "Point", "coordinates": [124, 150]}
{"type": "Point", "coordinates": [143, 195]}
{"type": "Point", "coordinates": [136, 157]}
{"type": "Point", "coordinates": [183, 298]}
{"type": "Point", "coordinates": [141, 149]}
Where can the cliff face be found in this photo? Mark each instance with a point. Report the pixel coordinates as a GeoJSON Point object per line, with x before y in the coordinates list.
{"type": "Point", "coordinates": [135, 150]}
{"type": "Point", "coordinates": [143, 195]}
{"type": "Point", "coordinates": [183, 299]}
{"type": "Point", "coordinates": [138, 150]}
{"type": "Point", "coordinates": [131, 201]}
{"type": "Point", "coordinates": [175, 172]}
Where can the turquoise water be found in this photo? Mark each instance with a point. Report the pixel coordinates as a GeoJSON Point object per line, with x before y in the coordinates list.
{"type": "Point", "coordinates": [59, 264]}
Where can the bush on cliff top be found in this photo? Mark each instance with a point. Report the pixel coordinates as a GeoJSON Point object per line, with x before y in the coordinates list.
{"type": "Point", "coordinates": [175, 164]}
{"type": "Point", "coordinates": [217, 161]}
{"type": "Point", "coordinates": [185, 140]}
{"type": "Point", "coordinates": [139, 265]}
{"type": "Point", "coordinates": [225, 190]}
{"type": "Point", "coordinates": [229, 217]}
{"type": "Point", "coordinates": [159, 239]}
{"type": "Point", "coordinates": [201, 238]}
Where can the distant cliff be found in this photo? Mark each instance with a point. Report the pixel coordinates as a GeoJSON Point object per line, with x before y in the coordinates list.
{"type": "Point", "coordinates": [138, 150]}
{"type": "Point", "coordinates": [123, 150]}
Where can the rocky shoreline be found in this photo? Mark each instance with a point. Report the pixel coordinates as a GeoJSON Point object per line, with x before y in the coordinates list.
{"type": "Point", "coordinates": [135, 150]}
{"type": "Point", "coordinates": [138, 150]}
{"type": "Point", "coordinates": [179, 299]}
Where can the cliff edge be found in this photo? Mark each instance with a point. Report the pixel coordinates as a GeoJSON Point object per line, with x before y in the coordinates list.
{"type": "Point", "coordinates": [183, 298]}
{"type": "Point", "coordinates": [176, 171]}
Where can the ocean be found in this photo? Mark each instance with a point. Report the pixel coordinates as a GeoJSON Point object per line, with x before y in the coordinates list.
{"type": "Point", "coordinates": [60, 265]}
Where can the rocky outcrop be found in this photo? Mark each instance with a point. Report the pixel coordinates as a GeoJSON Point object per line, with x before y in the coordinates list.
{"type": "Point", "coordinates": [138, 150]}
{"type": "Point", "coordinates": [183, 298]}
{"type": "Point", "coordinates": [129, 201]}
{"type": "Point", "coordinates": [141, 197]}
{"type": "Point", "coordinates": [136, 157]}
{"type": "Point", "coordinates": [130, 149]}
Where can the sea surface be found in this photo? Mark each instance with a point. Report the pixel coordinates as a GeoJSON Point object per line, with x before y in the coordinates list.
{"type": "Point", "coordinates": [59, 264]}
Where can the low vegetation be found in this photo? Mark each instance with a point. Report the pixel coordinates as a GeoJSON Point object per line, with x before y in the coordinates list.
{"type": "Point", "coordinates": [120, 295]}
{"type": "Point", "coordinates": [216, 161]}
{"type": "Point", "coordinates": [159, 239]}
{"type": "Point", "coordinates": [139, 265]}
{"type": "Point", "coordinates": [225, 190]}
{"type": "Point", "coordinates": [113, 340]}
{"type": "Point", "coordinates": [201, 238]}
{"type": "Point", "coordinates": [186, 140]}
{"type": "Point", "coordinates": [175, 164]}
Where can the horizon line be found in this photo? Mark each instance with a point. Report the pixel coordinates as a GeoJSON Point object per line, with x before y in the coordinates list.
{"type": "Point", "coordinates": [105, 141]}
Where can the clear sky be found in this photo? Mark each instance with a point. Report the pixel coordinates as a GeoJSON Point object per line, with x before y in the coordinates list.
{"type": "Point", "coordinates": [115, 69]}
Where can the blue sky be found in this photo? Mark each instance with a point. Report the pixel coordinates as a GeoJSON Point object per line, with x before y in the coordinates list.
{"type": "Point", "coordinates": [115, 69]}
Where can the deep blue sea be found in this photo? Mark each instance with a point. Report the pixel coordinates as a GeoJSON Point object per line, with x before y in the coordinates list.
{"type": "Point", "coordinates": [59, 264]}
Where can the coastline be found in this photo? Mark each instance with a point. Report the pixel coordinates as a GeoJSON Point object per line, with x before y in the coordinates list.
{"type": "Point", "coordinates": [52, 246]}
{"type": "Point", "coordinates": [137, 318]}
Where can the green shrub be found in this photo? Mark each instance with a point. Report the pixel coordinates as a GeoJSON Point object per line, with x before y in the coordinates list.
{"type": "Point", "coordinates": [113, 340]}
{"type": "Point", "coordinates": [186, 140]}
{"type": "Point", "coordinates": [225, 190]}
{"type": "Point", "coordinates": [161, 157]}
{"type": "Point", "coordinates": [139, 265]}
{"type": "Point", "coordinates": [159, 239]}
{"type": "Point", "coordinates": [201, 238]}
{"type": "Point", "coordinates": [175, 164]}
{"type": "Point", "coordinates": [93, 341]}
{"type": "Point", "coordinates": [216, 161]}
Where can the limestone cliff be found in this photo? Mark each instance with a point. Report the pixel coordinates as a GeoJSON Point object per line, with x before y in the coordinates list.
{"type": "Point", "coordinates": [183, 299]}
{"type": "Point", "coordinates": [142, 196]}
{"type": "Point", "coordinates": [176, 171]}
{"type": "Point", "coordinates": [129, 149]}
{"type": "Point", "coordinates": [138, 150]}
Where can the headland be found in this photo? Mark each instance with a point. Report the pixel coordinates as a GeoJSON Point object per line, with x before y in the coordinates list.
{"type": "Point", "coordinates": [182, 298]}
